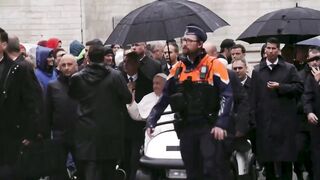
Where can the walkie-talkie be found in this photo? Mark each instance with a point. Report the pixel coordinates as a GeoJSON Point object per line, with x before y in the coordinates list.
{"type": "Point", "coordinates": [203, 72]}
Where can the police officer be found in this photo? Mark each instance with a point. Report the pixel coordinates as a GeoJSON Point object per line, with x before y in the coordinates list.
{"type": "Point", "coordinates": [199, 92]}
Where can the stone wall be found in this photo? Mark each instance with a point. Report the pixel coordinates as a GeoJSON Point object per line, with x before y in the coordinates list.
{"type": "Point", "coordinates": [33, 20]}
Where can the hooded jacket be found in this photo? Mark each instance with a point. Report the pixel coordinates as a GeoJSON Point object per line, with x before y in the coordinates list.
{"type": "Point", "coordinates": [76, 47]}
{"type": "Point", "coordinates": [43, 73]}
{"type": "Point", "coordinates": [53, 43]}
{"type": "Point", "coordinates": [102, 94]}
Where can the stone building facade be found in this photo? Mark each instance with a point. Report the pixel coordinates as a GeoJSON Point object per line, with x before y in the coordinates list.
{"type": "Point", "coordinates": [34, 20]}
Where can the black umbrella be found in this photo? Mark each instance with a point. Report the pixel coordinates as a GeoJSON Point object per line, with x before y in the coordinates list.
{"type": "Point", "coordinates": [310, 42]}
{"type": "Point", "coordinates": [289, 25]}
{"type": "Point", "coordinates": [163, 20]}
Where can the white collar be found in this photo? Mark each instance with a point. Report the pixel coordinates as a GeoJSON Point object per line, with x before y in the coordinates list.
{"type": "Point", "coordinates": [269, 63]}
{"type": "Point", "coordinates": [242, 82]}
{"type": "Point", "coordinates": [168, 65]}
{"type": "Point", "coordinates": [1, 58]}
{"type": "Point", "coordinates": [134, 77]}
{"type": "Point", "coordinates": [142, 57]}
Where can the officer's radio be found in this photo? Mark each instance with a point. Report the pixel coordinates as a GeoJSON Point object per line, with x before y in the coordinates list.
{"type": "Point", "coordinates": [203, 72]}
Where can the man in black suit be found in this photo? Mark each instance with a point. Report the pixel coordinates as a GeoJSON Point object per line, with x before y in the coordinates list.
{"type": "Point", "coordinates": [240, 68]}
{"type": "Point", "coordinates": [148, 66]}
{"type": "Point", "coordinates": [275, 88]}
{"type": "Point", "coordinates": [140, 85]}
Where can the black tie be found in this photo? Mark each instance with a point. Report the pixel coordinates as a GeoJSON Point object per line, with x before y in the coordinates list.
{"type": "Point", "coordinates": [272, 66]}
{"type": "Point", "coordinates": [130, 78]}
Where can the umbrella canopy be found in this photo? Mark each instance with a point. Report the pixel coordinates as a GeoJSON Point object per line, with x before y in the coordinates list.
{"type": "Point", "coordinates": [163, 20]}
{"type": "Point", "coordinates": [310, 42]}
{"type": "Point", "coordinates": [289, 25]}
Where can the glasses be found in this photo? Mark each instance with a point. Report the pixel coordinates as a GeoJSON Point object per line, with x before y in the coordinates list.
{"type": "Point", "coordinates": [188, 41]}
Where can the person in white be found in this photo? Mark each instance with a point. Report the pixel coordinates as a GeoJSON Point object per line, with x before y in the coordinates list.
{"type": "Point", "coordinates": [140, 111]}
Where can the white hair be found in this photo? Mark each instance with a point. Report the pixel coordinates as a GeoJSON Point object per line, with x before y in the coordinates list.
{"type": "Point", "coordinates": [162, 75]}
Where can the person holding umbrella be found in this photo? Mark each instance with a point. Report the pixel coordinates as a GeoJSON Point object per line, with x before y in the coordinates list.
{"type": "Point", "coordinates": [199, 92]}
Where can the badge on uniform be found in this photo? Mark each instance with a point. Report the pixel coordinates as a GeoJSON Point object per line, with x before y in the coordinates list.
{"type": "Point", "coordinates": [203, 72]}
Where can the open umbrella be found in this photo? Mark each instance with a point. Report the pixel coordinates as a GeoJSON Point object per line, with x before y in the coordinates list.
{"type": "Point", "coordinates": [310, 42]}
{"type": "Point", "coordinates": [163, 20]}
{"type": "Point", "coordinates": [289, 25]}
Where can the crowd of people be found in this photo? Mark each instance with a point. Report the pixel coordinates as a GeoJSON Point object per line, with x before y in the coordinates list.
{"type": "Point", "coordinates": [99, 102]}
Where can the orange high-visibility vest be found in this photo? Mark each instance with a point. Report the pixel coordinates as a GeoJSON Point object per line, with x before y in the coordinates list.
{"type": "Point", "coordinates": [214, 67]}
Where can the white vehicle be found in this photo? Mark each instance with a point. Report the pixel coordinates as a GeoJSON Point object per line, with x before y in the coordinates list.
{"type": "Point", "coordinates": [161, 158]}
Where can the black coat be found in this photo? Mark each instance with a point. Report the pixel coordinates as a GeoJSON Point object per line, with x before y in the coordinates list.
{"type": "Point", "coordinates": [311, 96]}
{"type": "Point", "coordinates": [275, 111]}
{"type": "Point", "coordinates": [247, 85]}
{"type": "Point", "coordinates": [302, 117]}
{"type": "Point", "coordinates": [19, 108]}
{"type": "Point", "coordinates": [143, 86]}
{"type": "Point", "coordinates": [102, 94]}
{"type": "Point", "coordinates": [311, 102]}
{"type": "Point", "coordinates": [61, 109]}
{"type": "Point", "coordinates": [241, 110]}
{"type": "Point", "coordinates": [150, 67]}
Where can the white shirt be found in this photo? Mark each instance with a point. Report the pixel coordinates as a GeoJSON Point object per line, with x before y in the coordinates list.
{"type": "Point", "coordinates": [242, 82]}
{"type": "Point", "coordinates": [270, 63]}
{"type": "Point", "coordinates": [1, 58]}
{"type": "Point", "coordinates": [142, 58]}
{"type": "Point", "coordinates": [168, 65]}
{"type": "Point", "coordinates": [134, 77]}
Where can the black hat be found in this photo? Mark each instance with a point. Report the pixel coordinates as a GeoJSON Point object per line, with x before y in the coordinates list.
{"type": "Point", "coordinates": [108, 50]}
{"type": "Point", "coordinates": [195, 30]}
{"type": "Point", "coordinates": [227, 43]}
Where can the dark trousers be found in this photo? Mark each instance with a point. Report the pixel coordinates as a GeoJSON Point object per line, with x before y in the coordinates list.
{"type": "Point", "coordinates": [8, 172]}
{"type": "Point", "coordinates": [278, 170]}
{"type": "Point", "coordinates": [304, 158]}
{"type": "Point", "coordinates": [97, 170]}
{"type": "Point", "coordinates": [68, 146]}
{"type": "Point", "coordinates": [204, 158]}
{"type": "Point", "coordinates": [315, 151]}
{"type": "Point", "coordinates": [132, 156]}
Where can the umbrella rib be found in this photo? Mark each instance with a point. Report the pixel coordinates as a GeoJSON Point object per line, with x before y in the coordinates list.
{"type": "Point", "coordinates": [288, 19]}
{"type": "Point", "coordinates": [161, 20]}
{"type": "Point", "coordinates": [164, 25]}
